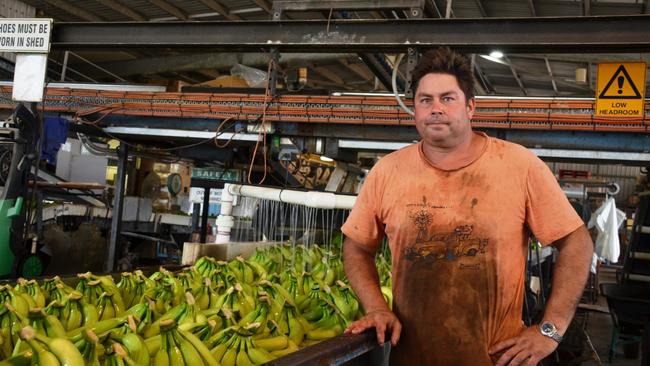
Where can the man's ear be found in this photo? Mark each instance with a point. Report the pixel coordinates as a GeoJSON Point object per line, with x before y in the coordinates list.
{"type": "Point", "coordinates": [471, 106]}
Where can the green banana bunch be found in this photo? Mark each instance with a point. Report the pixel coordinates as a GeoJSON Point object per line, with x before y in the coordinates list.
{"type": "Point", "coordinates": [108, 307]}
{"type": "Point", "coordinates": [190, 278]}
{"type": "Point", "coordinates": [144, 314]}
{"type": "Point", "coordinates": [266, 259]}
{"type": "Point", "coordinates": [186, 312]}
{"type": "Point", "coordinates": [179, 347]}
{"type": "Point", "coordinates": [41, 354]}
{"type": "Point", "coordinates": [46, 324]}
{"type": "Point", "coordinates": [206, 265]}
{"type": "Point", "coordinates": [90, 289]}
{"type": "Point", "coordinates": [225, 352]}
{"type": "Point", "coordinates": [309, 304]}
{"type": "Point", "coordinates": [19, 303]}
{"type": "Point", "coordinates": [64, 351]}
{"type": "Point", "coordinates": [277, 295]}
{"type": "Point", "coordinates": [32, 289]}
{"type": "Point", "coordinates": [76, 313]}
{"type": "Point", "coordinates": [347, 296]}
{"type": "Point", "coordinates": [127, 288]}
{"type": "Point", "coordinates": [117, 356]}
{"type": "Point", "coordinates": [50, 285]}
{"type": "Point", "coordinates": [242, 300]}
{"type": "Point", "coordinates": [207, 330]}
{"type": "Point", "coordinates": [292, 324]}
{"type": "Point", "coordinates": [206, 297]}
{"type": "Point", "coordinates": [59, 292]}
{"type": "Point", "coordinates": [10, 324]}
{"type": "Point", "coordinates": [258, 316]}
{"type": "Point", "coordinates": [242, 272]}
{"type": "Point", "coordinates": [134, 345]}
{"type": "Point", "coordinates": [161, 295]}
{"type": "Point", "coordinates": [90, 348]}
{"type": "Point", "coordinates": [221, 279]}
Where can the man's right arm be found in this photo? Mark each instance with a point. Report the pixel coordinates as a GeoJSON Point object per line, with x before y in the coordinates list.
{"type": "Point", "coordinates": [359, 264]}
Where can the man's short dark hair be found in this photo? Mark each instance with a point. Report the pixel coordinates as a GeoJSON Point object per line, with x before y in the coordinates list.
{"type": "Point", "coordinates": [445, 61]}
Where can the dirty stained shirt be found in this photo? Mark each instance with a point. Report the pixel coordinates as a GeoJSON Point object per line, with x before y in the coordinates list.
{"type": "Point", "coordinates": [458, 240]}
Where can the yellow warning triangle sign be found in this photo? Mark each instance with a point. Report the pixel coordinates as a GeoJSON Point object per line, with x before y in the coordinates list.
{"type": "Point", "coordinates": [620, 86]}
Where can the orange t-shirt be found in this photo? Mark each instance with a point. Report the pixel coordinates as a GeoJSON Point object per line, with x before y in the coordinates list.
{"type": "Point", "coordinates": [459, 243]}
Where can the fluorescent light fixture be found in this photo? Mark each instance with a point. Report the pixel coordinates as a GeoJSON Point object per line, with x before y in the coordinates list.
{"type": "Point", "coordinates": [496, 54]}
{"type": "Point", "coordinates": [326, 159]}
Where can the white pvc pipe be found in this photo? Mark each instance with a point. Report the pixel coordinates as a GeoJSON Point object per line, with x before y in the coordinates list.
{"type": "Point", "coordinates": [225, 221]}
{"type": "Point", "coordinates": [325, 200]}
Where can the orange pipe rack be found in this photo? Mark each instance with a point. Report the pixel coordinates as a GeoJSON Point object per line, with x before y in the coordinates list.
{"type": "Point", "coordinates": [543, 114]}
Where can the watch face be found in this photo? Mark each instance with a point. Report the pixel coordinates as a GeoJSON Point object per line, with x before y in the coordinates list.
{"type": "Point", "coordinates": [547, 328]}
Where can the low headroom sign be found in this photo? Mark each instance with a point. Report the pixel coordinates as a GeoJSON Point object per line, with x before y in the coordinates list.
{"type": "Point", "coordinates": [621, 89]}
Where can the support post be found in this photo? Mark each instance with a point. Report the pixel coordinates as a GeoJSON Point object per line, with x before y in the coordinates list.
{"type": "Point", "coordinates": [118, 207]}
{"type": "Point", "coordinates": [204, 214]}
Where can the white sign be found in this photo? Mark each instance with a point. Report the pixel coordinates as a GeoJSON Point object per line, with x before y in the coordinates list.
{"type": "Point", "coordinates": [25, 35]}
{"type": "Point", "coordinates": [29, 77]}
{"type": "Point", "coordinates": [196, 195]}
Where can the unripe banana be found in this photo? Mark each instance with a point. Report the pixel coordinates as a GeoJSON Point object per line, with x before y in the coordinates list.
{"type": "Point", "coordinates": [62, 348]}
{"type": "Point", "coordinates": [272, 343]}
{"type": "Point", "coordinates": [259, 356]}
{"type": "Point", "coordinates": [201, 349]}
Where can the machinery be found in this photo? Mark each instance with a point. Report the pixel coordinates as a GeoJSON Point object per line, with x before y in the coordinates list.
{"type": "Point", "coordinates": [18, 252]}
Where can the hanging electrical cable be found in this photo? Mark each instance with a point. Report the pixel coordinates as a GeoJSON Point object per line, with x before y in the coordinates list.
{"type": "Point", "coordinates": [394, 83]}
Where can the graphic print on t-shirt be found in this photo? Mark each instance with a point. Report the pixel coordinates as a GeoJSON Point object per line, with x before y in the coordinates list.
{"type": "Point", "coordinates": [431, 246]}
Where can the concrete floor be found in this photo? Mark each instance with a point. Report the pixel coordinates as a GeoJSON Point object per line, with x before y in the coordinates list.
{"type": "Point", "coordinates": [599, 329]}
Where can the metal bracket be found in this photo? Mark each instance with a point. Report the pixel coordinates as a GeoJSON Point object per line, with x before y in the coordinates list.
{"type": "Point", "coordinates": [411, 61]}
{"type": "Point", "coordinates": [273, 78]}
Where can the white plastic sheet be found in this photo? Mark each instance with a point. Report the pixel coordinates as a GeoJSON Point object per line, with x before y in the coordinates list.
{"type": "Point", "coordinates": [607, 219]}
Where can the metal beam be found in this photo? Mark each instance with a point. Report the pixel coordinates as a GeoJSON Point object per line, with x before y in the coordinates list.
{"type": "Point", "coordinates": [516, 76]}
{"type": "Point", "coordinates": [327, 74]}
{"type": "Point", "coordinates": [219, 8]}
{"type": "Point", "coordinates": [264, 5]}
{"type": "Point", "coordinates": [531, 7]}
{"type": "Point", "coordinates": [432, 8]}
{"type": "Point", "coordinates": [377, 64]}
{"type": "Point", "coordinates": [448, 10]}
{"type": "Point", "coordinates": [171, 9]}
{"type": "Point", "coordinates": [197, 61]}
{"type": "Point", "coordinates": [308, 5]}
{"type": "Point", "coordinates": [550, 73]}
{"type": "Point", "coordinates": [607, 34]}
{"type": "Point", "coordinates": [358, 69]}
{"type": "Point", "coordinates": [118, 208]}
{"type": "Point", "coordinates": [481, 8]}
{"type": "Point", "coordinates": [74, 10]}
{"type": "Point", "coordinates": [586, 8]}
{"type": "Point", "coordinates": [122, 9]}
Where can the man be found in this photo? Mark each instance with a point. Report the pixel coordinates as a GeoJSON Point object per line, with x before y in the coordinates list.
{"type": "Point", "coordinates": [458, 208]}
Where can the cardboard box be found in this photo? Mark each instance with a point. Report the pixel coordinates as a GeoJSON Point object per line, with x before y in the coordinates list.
{"type": "Point", "coordinates": [225, 252]}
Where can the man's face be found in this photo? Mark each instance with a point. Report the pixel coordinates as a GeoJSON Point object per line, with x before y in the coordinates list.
{"type": "Point", "coordinates": [442, 113]}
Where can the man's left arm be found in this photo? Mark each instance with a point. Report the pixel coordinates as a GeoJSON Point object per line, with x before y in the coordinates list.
{"type": "Point", "coordinates": [569, 278]}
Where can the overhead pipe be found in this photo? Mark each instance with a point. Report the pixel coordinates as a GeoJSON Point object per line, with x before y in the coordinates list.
{"type": "Point", "coordinates": [326, 200]}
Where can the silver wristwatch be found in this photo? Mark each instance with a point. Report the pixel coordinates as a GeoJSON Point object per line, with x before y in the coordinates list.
{"type": "Point", "coordinates": [548, 329]}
